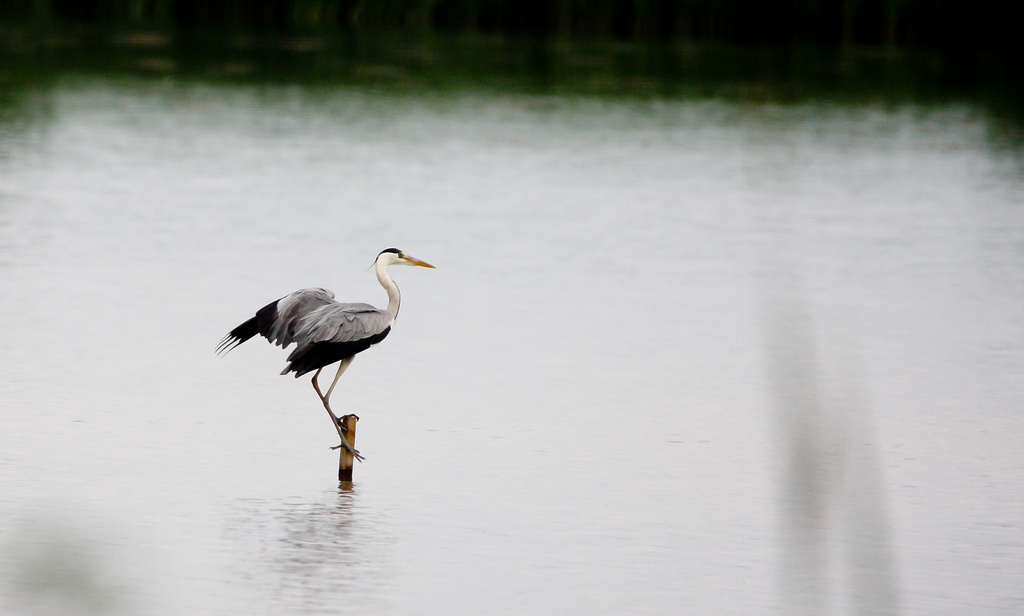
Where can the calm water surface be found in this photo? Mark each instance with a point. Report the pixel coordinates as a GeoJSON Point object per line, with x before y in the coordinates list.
{"type": "Point", "coordinates": [676, 357]}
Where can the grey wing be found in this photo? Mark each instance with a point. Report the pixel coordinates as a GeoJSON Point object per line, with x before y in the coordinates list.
{"type": "Point", "coordinates": [283, 320]}
{"type": "Point", "coordinates": [332, 333]}
{"type": "Point", "coordinates": [337, 322]}
{"type": "Point", "coordinates": [280, 321]}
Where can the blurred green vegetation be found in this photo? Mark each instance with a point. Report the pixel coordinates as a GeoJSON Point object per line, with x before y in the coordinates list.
{"type": "Point", "coordinates": [884, 51]}
{"type": "Point", "coordinates": [944, 25]}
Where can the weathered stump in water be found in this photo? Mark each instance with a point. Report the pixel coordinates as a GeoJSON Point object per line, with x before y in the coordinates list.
{"type": "Point", "coordinates": [347, 461]}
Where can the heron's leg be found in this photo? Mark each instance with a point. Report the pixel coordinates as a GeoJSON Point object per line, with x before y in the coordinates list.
{"type": "Point", "coordinates": [315, 385]}
{"type": "Point", "coordinates": [323, 399]}
{"type": "Point", "coordinates": [342, 367]}
{"type": "Point", "coordinates": [338, 425]}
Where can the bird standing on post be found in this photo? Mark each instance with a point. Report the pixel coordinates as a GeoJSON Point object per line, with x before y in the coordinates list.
{"type": "Point", "coordinates": [325, 330]}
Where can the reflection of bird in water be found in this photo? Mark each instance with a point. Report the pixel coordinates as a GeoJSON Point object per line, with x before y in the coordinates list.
{"type": "Point", "coordinates": [325, 330]}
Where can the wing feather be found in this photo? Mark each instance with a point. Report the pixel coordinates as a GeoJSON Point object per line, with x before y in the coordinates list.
{"type": "Point", "coordinates": [280, 321]}
{"type": "Point", "coordinates": [336, 331]}
{"type": "Point", "coordinates": [339, 322]}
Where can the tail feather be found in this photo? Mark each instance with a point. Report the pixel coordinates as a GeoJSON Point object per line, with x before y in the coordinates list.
{"type": "Point", "coordinates": [237, 336]}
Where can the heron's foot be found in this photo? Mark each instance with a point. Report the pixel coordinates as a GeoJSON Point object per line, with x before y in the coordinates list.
{"type": "Point", "coordinates": [355, 453]}
{"type": "Point", "coordinates": [341, 421]}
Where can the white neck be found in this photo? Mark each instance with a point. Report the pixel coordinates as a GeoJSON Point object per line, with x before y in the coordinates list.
{"type": "Point", "coordinates": [394, 297]}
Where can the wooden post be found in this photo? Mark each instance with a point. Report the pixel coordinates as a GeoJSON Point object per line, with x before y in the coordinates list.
{"type": "Point", "coordinates": [347, 461]}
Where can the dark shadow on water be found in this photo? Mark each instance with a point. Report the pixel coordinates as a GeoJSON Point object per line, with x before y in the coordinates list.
{"type": "Point", "coordinates": [55, 563]}
{"type": "Point", "coordinates": [835, 547]}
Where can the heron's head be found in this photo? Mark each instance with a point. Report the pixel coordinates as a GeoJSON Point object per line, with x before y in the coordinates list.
{"type": "Point", "coordinates": [394, 256]}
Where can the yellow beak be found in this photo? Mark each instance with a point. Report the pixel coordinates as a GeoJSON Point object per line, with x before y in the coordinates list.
{"type": "Point", "coordinates": [415, 261]}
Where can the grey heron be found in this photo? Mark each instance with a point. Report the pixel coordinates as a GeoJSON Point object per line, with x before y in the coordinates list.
{"type": "Point", "coordinates": [325, 330]}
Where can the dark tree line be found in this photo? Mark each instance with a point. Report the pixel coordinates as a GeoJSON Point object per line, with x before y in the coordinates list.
{"type": "Point", "coordinates": [945, 25]}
